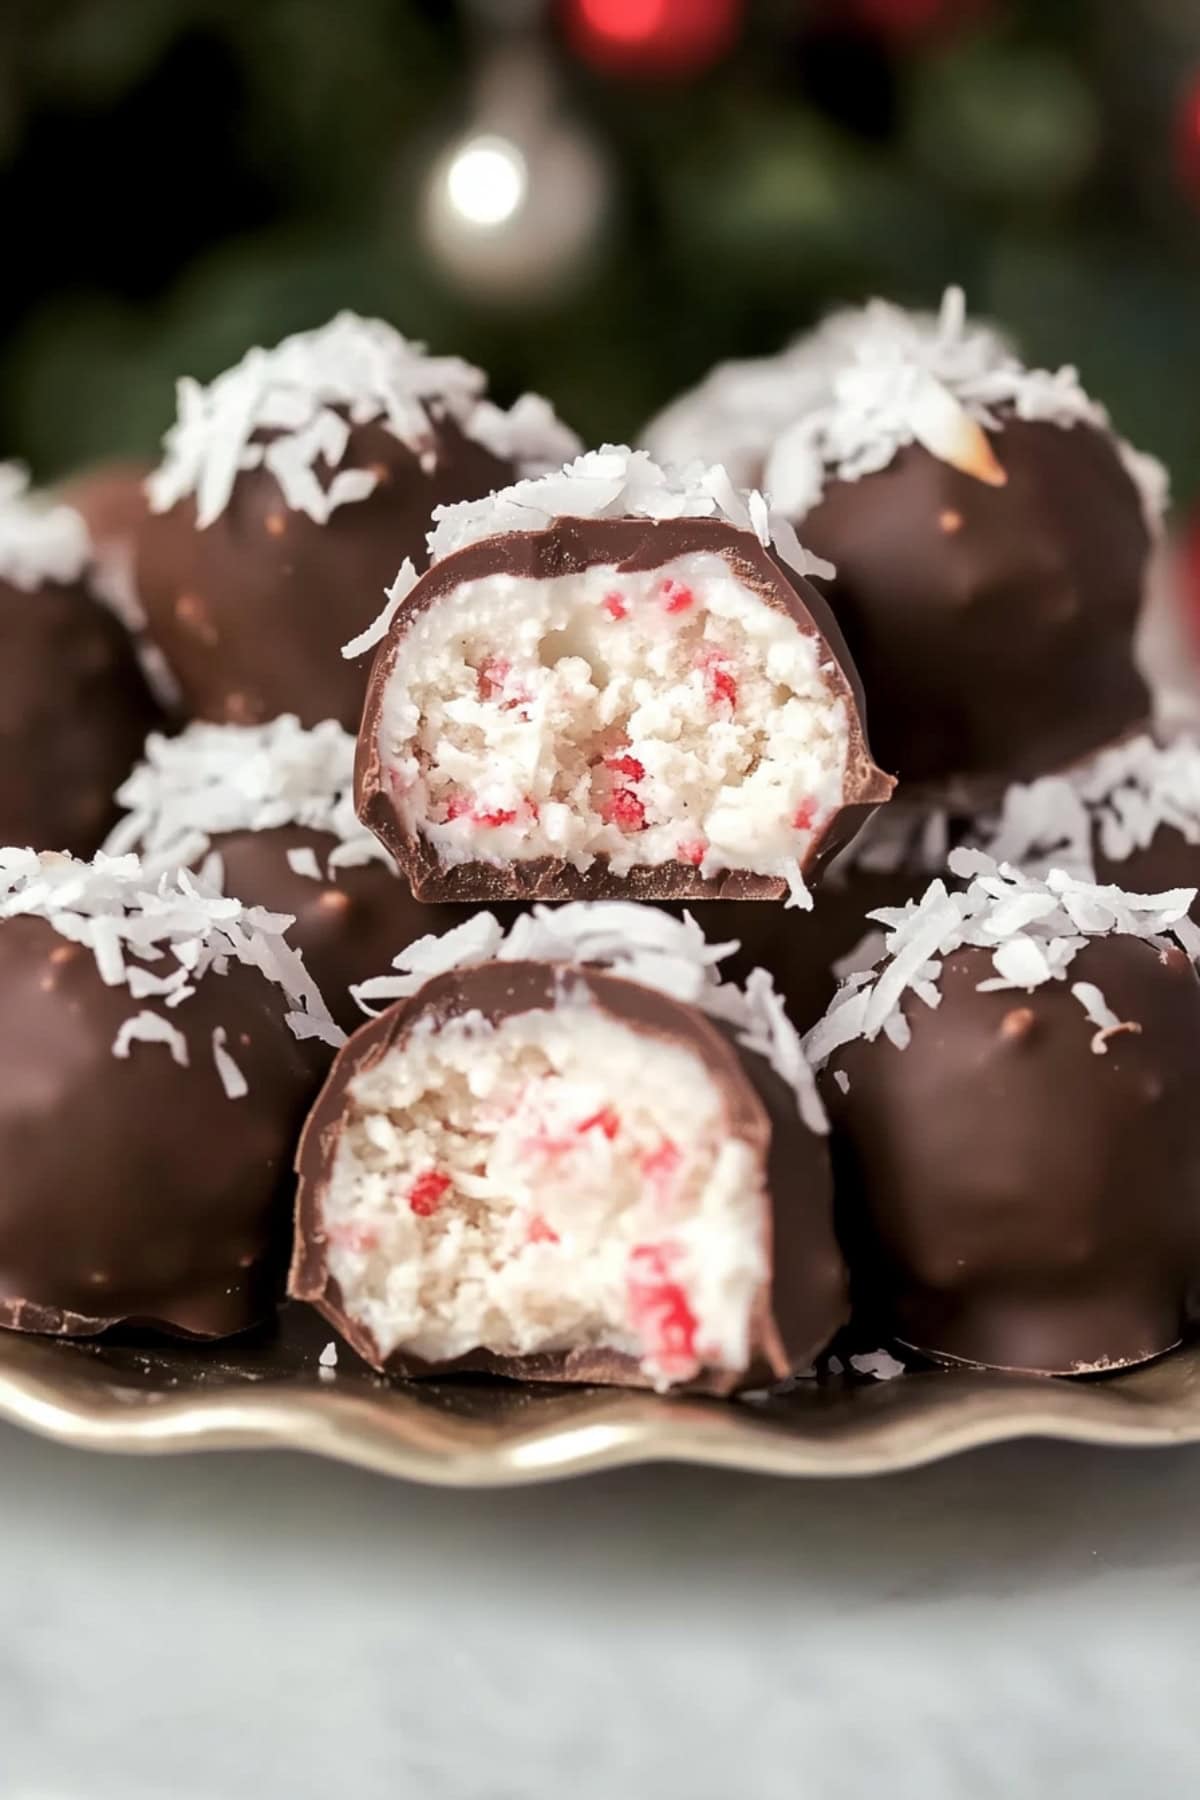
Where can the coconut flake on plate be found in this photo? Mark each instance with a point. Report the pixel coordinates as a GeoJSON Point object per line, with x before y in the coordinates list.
{"type": "Point", "coordinates": [639, 943]}
{"type": "Point", "coordinates": [212, 779]}
{"type": "Point", "coordinates": [291, 409]}
{"type": "Point", "coordinates": [39, 541]}
{"type": "Point", "coordinates": [1032, 928]}
{"type": "Point", "coordinates": [618, 483]}
{"type": "Point", "coordinates": [943, 381]}
{"type": "Point", "coordinates": [129, 916]}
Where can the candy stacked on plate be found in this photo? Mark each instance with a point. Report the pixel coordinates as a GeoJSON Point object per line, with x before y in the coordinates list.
{"type": "Point", "coordinates": [585, 844]}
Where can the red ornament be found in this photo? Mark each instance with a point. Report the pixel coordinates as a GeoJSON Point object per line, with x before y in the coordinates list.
{"type": "Point", "coordinates": [1187, 138]}
{"type": "Point", "coordinates": [652, 37]}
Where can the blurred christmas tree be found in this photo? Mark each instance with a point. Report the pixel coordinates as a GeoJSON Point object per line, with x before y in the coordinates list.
{"type": "Point", "coordinates": [597, 198]}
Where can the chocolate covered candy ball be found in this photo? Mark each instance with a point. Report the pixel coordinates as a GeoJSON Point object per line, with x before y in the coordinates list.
{"type": "Point", "coordinates": [292, 490]}
{"type": "Point", "coordinates": [554, 1172]}
{"type": "Point", "coordinates": [74, 706]}
{"type": "Point", "coordinates": [146, 1147]}
{"type": "Point", "coordinates": [1018, 1183]}
{"type": "Point", "coordinates": [993, 624]}
{"type": "Point", "coordinates": [267, 812]}
{"type": "Point", "coordinates": [618, 700]}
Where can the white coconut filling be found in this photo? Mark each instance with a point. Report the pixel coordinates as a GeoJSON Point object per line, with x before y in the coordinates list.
{"type": "Point", "coordinates": [522, 1187]}
{"type": "Point", "coordinates": [667, 715]}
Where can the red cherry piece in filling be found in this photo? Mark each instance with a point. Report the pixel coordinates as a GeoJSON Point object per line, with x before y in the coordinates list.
{"type": "Point", "coordinates": [425, 1194]}
{"type": "Point", "coordinates": [625, 810]}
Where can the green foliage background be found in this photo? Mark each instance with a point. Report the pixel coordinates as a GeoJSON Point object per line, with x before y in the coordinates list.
{"type": "Point", "coordinates": [181, 178]}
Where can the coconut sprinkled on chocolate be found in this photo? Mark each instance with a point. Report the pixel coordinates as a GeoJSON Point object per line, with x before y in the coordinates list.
{"type": "Point", "coordinates": [160, 937]}
{"type": "Point", "coordinates": [213, 779]}
{"type": "Point", "coordinates": [614, 483]}
{"type": "Point", "coordinates": [638, 942]}
{"type": "Point", "coordinates": [39, 542]}
{"type": "Point", "coordinates": [1033, 929]}
{"type": "Point", "coordinates": [290, 410]}
{"type": "Point", "coordinates": [1112, 806]}
{"type": "Point", "coordinates": [902, 378]}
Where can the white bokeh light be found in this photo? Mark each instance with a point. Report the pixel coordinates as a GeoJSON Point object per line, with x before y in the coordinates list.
{"type": "Point", "coordinates": [486, 180]}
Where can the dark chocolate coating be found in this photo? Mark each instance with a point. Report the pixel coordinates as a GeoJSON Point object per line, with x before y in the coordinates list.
{"type": "Point", "coordinates": [135, 1190]}
{"type": "Point", "coordinates": [1167, 861]}
{"type": "Point", "coordinates": [251, 613]}
{"type": "Point", "coordinates": [992, 626]}
{"type": "Point", "coordinates": [111, 500]}
{"type": "Point", "coordinates": [348, 928]}
{"type": "Point", "coordinates": [797, 1312]}
{"type": "Point", "coordinates": [74, 713]}
{"type": "Point", "coordinates": [568, 547]}
{"type": "Point", "coordinates": [1008, 1197]}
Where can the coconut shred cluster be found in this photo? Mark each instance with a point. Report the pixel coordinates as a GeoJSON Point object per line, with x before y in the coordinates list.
{"type": "Point", "coordinates": [643, 715]}
{"type": "Point", "coordinates": [902, 378]}
{"type": "Point", "coordinates": [1107, 811]}
{"type": "Point", "coordinates": [292, 408]}
{"type": "Point", "coordinates": [517, 1182]}
{"type": "Point", "coordinates": [215, 779]}
{"type": "Point", "coordinates": [1033, 928]}
{"type": "Point", "coordinates": [160, 937]}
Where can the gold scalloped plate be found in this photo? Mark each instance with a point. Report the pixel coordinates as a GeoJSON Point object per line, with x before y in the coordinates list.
{"type": "Point", "coordinates": [269, 1393]}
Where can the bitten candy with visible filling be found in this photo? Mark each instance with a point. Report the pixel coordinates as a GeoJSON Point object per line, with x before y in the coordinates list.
{"type": "Point", "coordinates": [74, 706]}
{"type": "Point", "coordinates": [614, 681]}
{"type": "Point", "coordinates": [1015, 1130]}
{"type": "Point", "coordinates": [267, 811]}
{"type": "Point", "coordinates": [156, 1076]}
{"type": "Point", "coordinates": [547, 1169]}
{"type": "Point", "coordinates": [291, 490]}
{"type": "Point", "coordinates": [991, 537]}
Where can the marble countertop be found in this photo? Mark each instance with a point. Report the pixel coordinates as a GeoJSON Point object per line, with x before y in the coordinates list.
{"type": "Point", "coordinates": [1018, 1623]}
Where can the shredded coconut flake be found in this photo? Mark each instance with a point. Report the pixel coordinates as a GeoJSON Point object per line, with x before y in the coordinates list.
{"type": "Point", "coordinates": [637, 942]}
{"type": "Point", "coordinates": [879, 1363]}
{"type": "Point", "coordinates": [151, 1028]}
{"type": "Point", "coordinates": [615, 483]}
{"type": "Point", "coordinates": [900, 378]}
{"type": "Point", "coordinates": [129, 916]}
{"type": "Point", "coordinates": [232, 1079]}
{"type": "Point", "coordinates": [39, 542]}
{"type": "Point", "coordinates": [1114, 804]}
{"type": "Point", "coordinates": [1033, 929]}
{"type": "Point", "coordinates": [220, 778]}
{"type": "Point", "coordinates": [305, 394]}
{"type": "Point", "coordinates": [377, 630]}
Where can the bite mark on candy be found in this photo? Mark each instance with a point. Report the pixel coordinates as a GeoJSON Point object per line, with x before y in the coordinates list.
{"type": "Point", "coordinates": [659, 1311]}
{"type": "Point", "coordinates": [425, 1194]}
